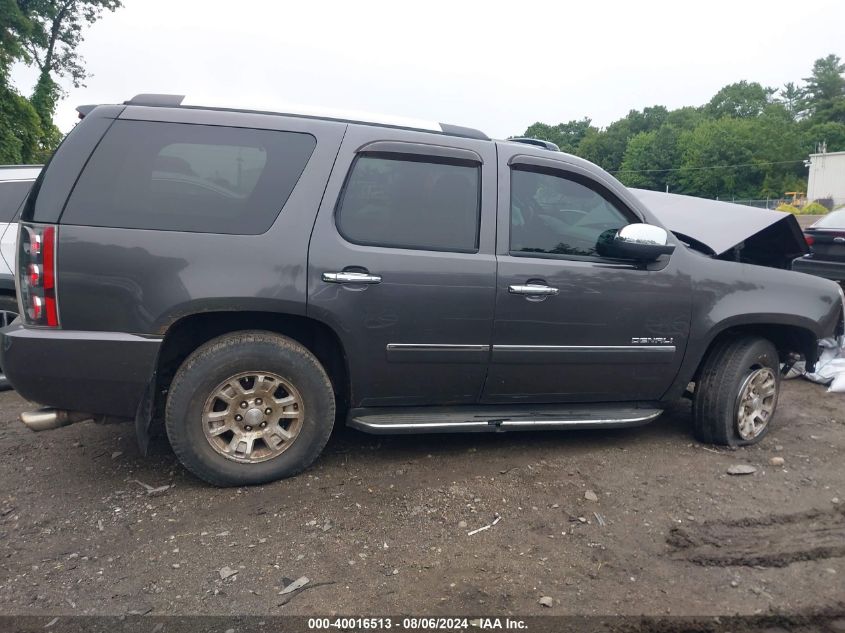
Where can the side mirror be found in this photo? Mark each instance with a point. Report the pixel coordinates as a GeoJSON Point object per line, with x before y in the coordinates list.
{"type": "Point", "coordinates": [642, 242]}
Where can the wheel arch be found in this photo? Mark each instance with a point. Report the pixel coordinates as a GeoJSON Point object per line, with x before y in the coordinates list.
{"type": "Point", "coordinates": [795, 336]}
{"type": "Point", "coordinates": [191, 331]}
{"type": "Point", "coordinates": [787, 338]}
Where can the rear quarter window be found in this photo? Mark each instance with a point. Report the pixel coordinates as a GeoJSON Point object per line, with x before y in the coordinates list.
{"type": "Point", "coordinates": [184, 177]}
{"type": "Point", "coordinates": [12, 195]}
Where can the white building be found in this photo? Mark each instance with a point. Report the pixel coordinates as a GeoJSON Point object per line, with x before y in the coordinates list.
{"type": "Point", "coordinates": [827, 177]}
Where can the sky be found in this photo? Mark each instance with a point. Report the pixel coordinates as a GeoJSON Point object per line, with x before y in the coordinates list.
{"type": "Point", "coordinates": [495, 66]}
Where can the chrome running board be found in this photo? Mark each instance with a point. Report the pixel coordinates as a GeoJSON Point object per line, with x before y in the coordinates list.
{"type": "Point", "coordinates": [497, 418]}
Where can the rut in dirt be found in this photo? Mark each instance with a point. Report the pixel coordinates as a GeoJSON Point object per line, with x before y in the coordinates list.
{"type": "Point", "coordinates": [773, 541]}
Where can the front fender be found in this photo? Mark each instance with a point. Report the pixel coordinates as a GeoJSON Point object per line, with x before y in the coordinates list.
{"type": "Point", "coordinates": [753, 299]}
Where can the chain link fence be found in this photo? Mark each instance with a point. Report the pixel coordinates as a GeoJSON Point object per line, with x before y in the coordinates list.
{"type": "Point", "coordinates": [774, 203]}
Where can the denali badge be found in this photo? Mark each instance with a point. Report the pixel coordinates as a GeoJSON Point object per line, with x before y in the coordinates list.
{"type": "Point", "coordinates": [649, 340]}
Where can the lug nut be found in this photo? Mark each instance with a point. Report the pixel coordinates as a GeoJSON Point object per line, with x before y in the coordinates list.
{"type": "Point", "coordinates": [263, 424]}
{"type": "Point", "coordinates": [268, 410]}
{"type": "Point", "coordinates": [238, 418]}
{"type": "Point", "coordinates": [248, 427]}
{"type": "Point", "coordinates": [258, 401]}
{"type": "Point", "coordinates": [244, 405]}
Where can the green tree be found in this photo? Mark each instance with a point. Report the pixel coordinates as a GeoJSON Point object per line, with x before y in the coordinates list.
{"type": "Point", "coordinates": [825, 90]}
{"type": "Point", "coordinates": [651, 159]}
{"type": "Point", "coordinates": [779, 151]}
{"type": "Point", "coordinates": [52, 45]}
{"type": "Point", "coordinates": [607, 147]}
{"type": "Point", "coordinates": [741, 99]}
{"type": "Point", "coordinates": [748, 141]}
{"type": "Point", "coordinates": [711, 156]}
{"type": "Point", "coordinates": [14, 27]}
{"type": "Point", "coordinates": [685, 118]}
{"type": "Point", "coordinates": [831, 133]}
{"type": "Point", "coordinates": [792, 97]}
{"type": "Point", "coordinates": [567, 136]}
{"type": "Point", "coordinates": [20, 126]}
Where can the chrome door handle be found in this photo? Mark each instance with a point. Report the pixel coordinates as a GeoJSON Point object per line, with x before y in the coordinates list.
{"type": "Point", "coordinates": [533, 290]}
{"type": "Point", "coordinates": [351, 278]}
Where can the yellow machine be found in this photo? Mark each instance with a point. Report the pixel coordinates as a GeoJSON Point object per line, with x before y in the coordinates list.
{"type": "Point", "coordinates": [795, 198]}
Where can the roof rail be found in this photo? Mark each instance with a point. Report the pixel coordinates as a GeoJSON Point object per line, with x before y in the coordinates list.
{"type": "Point", "coordinates": [172, 101]}
{"type": "Point", "coordinates": [536, 142]}
{"type": "Point", "coordinates": [156, 100]}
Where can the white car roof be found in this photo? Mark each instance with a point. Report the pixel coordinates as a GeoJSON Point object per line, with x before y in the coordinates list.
{"type": "Point", "coordinates": [19, 172]}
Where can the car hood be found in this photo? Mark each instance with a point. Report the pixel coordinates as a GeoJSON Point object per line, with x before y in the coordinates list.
{"type": "Point", "coordinates": [727, 230]}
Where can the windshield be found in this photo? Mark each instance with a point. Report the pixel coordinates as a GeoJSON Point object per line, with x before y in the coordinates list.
{"type": "Point", "coordinates": [834, 220]}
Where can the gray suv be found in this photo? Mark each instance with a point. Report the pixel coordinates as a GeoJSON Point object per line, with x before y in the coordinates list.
{"type": "Point", "coordinates": [249, 278]}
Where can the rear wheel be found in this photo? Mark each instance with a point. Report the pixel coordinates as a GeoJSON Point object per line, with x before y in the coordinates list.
{"type": "Point", "coordinates": [8, 313]}
{"type": "Point", "coordinates": [248, 408]}
{"type": "Point", "coordinates": [737, 391]}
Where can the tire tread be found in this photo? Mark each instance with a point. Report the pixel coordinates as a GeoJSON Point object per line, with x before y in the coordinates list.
{"type": "Point", "coordinates": [716, 389]}
{"type": "Point", "coordinates": [179, 440]}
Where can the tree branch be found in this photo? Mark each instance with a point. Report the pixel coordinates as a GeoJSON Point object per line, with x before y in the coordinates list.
{"type": "Point", "coordinates": [54, 35]}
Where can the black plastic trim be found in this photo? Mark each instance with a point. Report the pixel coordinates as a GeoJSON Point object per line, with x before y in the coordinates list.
{"type": "Point", "coordinates": [102, 373]}
{"type": "Point", "coordinates": [421, 149]}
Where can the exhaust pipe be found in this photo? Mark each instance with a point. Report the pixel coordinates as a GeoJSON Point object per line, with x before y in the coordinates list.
{"type": "Point", "coordinates": [47, 419]}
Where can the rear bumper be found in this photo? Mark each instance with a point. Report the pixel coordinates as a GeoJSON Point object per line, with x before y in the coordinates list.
{"type": "Point", "coordinates": [820, 268]}
{"type": "Point", "coordinates": [102, 373]}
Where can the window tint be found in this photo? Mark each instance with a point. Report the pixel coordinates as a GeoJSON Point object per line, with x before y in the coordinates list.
{"type": "Point", "coordinates": [12, 194]}
{"type": "Point", "coordinates": [201, 178]}
{"type": "Point", "coordinates": [556, 215]}
{"type": "Point", "coordinates": [411, 203]}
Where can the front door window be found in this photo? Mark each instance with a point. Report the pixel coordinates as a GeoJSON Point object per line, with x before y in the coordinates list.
{"type": "Point", "coordinates": [554, 215]}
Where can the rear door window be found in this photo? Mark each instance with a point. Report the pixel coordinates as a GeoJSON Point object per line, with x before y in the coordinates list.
{"type": "Point", "coordinates": [12, 195]}
{"type": "Point", "coordinates": [181, 177]}
{"type": "Point", "coordinates": [411, 202]}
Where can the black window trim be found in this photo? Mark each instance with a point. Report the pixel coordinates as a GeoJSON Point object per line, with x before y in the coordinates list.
{"type": "Point", "coordinates": [565, 171]}
{"type": "Point", "coordinates": [422, 154]}
{"type": "Point", "coordinates": [421, 149]}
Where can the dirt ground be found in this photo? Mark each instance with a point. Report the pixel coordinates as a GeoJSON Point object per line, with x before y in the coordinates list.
{"type": "Point", "coordinates": [379, 525]}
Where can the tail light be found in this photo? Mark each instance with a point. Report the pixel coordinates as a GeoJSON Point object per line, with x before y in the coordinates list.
{"type": "Point", "coordinates": [37, 274]}
{"type": "Point", "coordinates": [809, 239]}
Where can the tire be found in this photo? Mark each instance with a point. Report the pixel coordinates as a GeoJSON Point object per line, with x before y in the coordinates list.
{"type": "Point", "coordinates": [199, 400]}
{"type": "Point", "coordinates": [734, 367]}
{"type": "Point", "coordinates": [8, 313]}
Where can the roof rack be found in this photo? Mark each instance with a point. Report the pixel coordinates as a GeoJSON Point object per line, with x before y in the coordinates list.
{"type": "Point", "coordinates": [173, 101]}
{"type": "Point", "coordinates": [152, 99]}
{"type": "Point", "coordinates": [536, 142]}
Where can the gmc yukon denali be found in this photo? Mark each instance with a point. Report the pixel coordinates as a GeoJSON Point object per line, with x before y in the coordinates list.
{"type": "Point", "coordinates": [246, 278]}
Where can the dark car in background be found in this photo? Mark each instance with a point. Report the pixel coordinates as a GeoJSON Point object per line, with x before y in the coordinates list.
{"type": "Point", "coordinates": [826, 239]}
{"type": "Point", "coordinates": [248, 278]}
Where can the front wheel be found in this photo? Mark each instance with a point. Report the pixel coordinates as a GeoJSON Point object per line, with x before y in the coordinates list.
{"type": "Point", "coordinates": [249, 408]}
{"type": "Point", "coordinates": [736, 394]}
